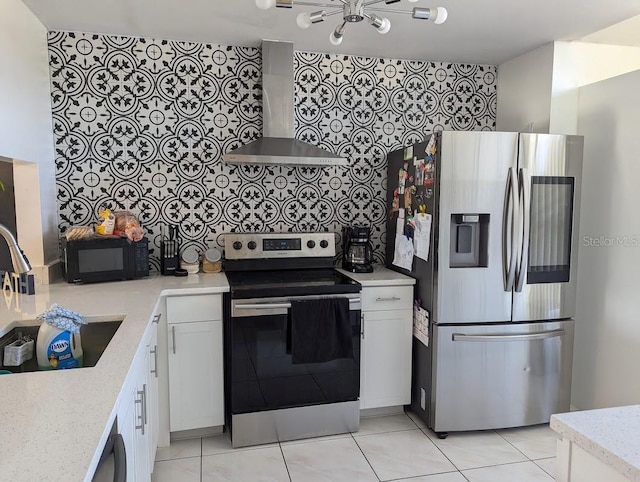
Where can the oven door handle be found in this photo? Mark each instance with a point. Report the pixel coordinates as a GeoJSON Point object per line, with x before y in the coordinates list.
{"type": "Point", "coordinates": [275, 306]}
{"type": "Point", "coordinates": [263, 306]}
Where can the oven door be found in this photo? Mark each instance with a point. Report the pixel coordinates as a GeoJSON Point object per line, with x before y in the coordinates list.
{"type": "Point", "coordinates": [262, 375]}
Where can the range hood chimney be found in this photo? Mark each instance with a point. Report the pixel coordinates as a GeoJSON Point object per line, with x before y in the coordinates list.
{"type": "Point", "coordinates": [278, 146]}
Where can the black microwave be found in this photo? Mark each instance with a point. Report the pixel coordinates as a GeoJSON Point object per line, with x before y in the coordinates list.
{"type": "Point", "coordinates": [105, 259]}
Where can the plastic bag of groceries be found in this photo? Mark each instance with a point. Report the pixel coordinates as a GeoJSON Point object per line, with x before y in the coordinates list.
{"type": "Point", "coordinates": [127, 224]}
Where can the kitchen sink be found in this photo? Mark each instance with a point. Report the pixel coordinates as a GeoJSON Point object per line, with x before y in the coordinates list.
{"type": "Point", "coordinates": [95, 337]}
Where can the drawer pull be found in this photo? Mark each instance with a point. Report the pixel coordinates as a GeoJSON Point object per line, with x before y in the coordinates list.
{"type": "Point", "coordinates": [393, 298]}
{"type": "Point", "coordinates": [173, 336]}
{"type": "Point", "coordinates": [140, 401]}
{"type": "Point", "coordinates": [156, 318]}
{"type": "Point", "coordinates": [154, 370]}
{"type": "Point", "coordinates": [144, 405]}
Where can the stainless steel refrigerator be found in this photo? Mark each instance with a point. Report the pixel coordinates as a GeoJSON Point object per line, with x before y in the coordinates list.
{"type": "Point", "coordinates": [499, 281]}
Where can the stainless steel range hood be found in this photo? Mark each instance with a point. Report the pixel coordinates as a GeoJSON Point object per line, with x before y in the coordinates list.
{"type": "Point", "coordinates": [278, 146]}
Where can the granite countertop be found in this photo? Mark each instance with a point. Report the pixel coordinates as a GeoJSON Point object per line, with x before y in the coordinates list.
{"type": "Point", "coordinates": [611, 435]}
{"type": "Point", "coordinates": [381, 276]}
{"type": "Point", "coordinates": [53, 424]}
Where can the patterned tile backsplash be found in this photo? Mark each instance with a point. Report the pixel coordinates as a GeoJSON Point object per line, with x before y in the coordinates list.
{"type": "Point", "coordinates": [141, 124]}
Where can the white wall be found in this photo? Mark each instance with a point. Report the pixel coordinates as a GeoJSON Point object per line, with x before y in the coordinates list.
{"type": "Point", "coordinates": [576, 64]}
{"type": "Point", "coordinates": [563, 109]}
{"type": "Point", "coordinates": [596, 62]}
{"type": "Point", "coordinates": [26, 131]}
{"type": "Point", "coordinates": [541, 86]}
{"type": "Point", "coordinates": [524, 91]}
{"type": "Point", "coordinates": [607, 343]}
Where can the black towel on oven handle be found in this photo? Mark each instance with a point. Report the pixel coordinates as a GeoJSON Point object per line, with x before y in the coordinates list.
{"type": "Point", "coordinates": [320, 330]}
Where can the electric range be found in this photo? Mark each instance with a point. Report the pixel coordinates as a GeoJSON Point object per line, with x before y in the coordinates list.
{"type": "Point", "coordinates": [269, 396]}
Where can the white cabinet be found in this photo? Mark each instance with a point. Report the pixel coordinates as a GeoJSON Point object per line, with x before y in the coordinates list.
{"type": "Point", "coordinates": [387, 298]}
{"type": "Point", "coordinates": [573, 464]}
{"type": "Point", "coordinates": [143, 465]}
{"type": "Point", "coordinates": [127, 428]}
{"type": "Point", "coordinates": [152, 389]}
{"type": "Point", "coordinates": [162, 368]}
{"type": "Point", "coordinates": [387, 326]}
{"type": "Point", "coordinates": [137, 412]}
{"type": "Point", "coordinates": [195, 346]}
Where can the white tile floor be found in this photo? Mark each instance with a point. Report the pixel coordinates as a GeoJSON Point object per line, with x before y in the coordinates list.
{"type": "Point", "coordinates": [394, 447]}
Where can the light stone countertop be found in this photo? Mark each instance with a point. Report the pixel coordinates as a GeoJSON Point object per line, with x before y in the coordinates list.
{"type": "Point", "coordinates": [53, 424]}
{"type": "Point", "coordinates": [612, 435]}
{"type": "Point", "coordinates": [381, 276]}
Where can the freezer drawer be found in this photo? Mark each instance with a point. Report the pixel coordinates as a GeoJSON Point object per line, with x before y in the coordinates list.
{"type": "Point", "coordinates": [502, 375]}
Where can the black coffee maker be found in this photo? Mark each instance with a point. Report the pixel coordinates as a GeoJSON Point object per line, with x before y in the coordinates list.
{"type": "Point", "coordinates": [357, 253]}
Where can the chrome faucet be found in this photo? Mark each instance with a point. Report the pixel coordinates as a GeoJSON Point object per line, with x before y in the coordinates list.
{"type": "Point", "coordinates": [19, 260]}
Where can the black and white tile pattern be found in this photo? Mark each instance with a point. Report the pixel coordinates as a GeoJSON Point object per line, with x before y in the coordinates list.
{"type": "Point", "coordinates": [141, 124]}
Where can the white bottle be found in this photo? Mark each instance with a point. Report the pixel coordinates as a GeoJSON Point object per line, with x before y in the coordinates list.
{"type": "Point", "coordinates": [58, 349]}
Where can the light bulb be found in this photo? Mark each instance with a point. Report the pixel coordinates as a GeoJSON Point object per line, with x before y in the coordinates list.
{"type": "Point", "coordinates": [385, 27]}
{"type": "Point", "coordinates": [265, 4]}
{"type": "Point", "coordinates": [441, 15]}
{"type": "Point", "coordinates": [334, 39]}
{"type": "Point", "coordinates": [303, 20]}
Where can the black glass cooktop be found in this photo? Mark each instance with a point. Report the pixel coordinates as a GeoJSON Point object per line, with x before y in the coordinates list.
{"type": "Point", "coordinates": [255, 284]}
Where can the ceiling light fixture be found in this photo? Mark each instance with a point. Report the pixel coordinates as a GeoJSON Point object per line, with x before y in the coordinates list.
{"type": "Point", "coordinates": [353, 11]}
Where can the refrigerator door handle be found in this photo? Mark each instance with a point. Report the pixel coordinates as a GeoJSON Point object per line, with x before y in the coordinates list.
{"type": "Point", "coordinates": [509, 222]}
{"type": "Point", "coordinates": [524, 181]}
{"type": "Point", "coordinates": [525, 337]}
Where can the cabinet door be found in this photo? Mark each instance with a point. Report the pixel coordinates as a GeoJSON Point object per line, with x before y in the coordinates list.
{"type": "Point", "coordinates": [152, 397]}
{"type": "Point", "coordinates": [160, 318]}
{"type": "Point", "coordinates": [127, 428]}
{"type": "Point", "coordinates": [131, 424]}
{"type": "Point", "coordinates": [143, 463]}
{"type": "Point", "coordinates": [385, 377]}
{"type": "Point", "coordinates": [195, 375]}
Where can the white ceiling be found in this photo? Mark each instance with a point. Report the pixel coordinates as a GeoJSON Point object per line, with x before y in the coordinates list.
{"type": "Point", "coordinates": [477, 31]}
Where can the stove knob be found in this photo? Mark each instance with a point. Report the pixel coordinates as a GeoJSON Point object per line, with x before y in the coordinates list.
{"type": "Point", "coordinates": [311, 244]}
{"type": "Point", "coordinates": [252, 245]}
{"type": "Point", "coordinates": [324, 243]}
{"type": "Point", "coordinates": [237, 245]}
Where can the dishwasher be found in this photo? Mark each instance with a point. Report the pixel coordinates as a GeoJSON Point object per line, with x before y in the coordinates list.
{"type": "Point", "coordinates": [112, 466]}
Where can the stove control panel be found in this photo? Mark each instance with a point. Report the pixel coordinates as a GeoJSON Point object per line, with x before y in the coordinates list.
{"type": "Point", "coordinates": [279, 245]}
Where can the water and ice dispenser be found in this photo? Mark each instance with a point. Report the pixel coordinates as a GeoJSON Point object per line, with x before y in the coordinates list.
{"type": "Point", "coordinates": [469, 241]}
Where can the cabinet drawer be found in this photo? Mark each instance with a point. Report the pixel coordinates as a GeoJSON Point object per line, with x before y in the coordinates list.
{"type": "Point", "coordinates": [387, 298]}
{"type": "Point", "coordinates": [186, 309]}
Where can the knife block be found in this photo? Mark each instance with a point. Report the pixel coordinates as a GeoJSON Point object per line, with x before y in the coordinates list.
{"type": "Point", "coordinates": [169, 261]}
